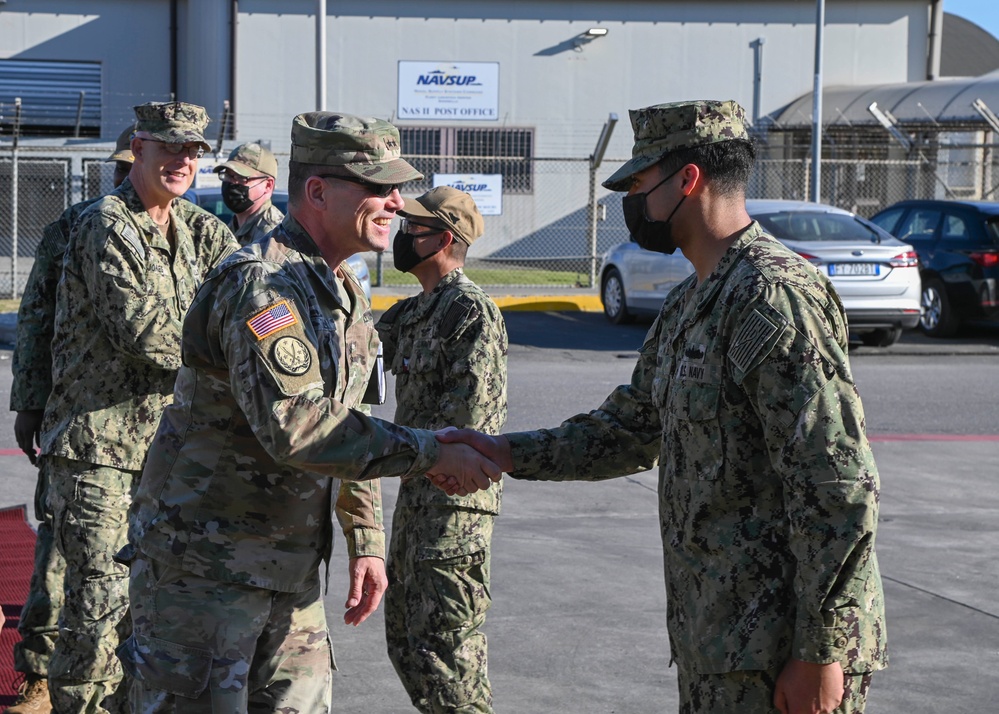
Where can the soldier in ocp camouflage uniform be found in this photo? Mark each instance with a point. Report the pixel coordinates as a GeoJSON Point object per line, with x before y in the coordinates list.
{"type": "Point", "coordinates": [247, 186]}
{"type": "Point", "coordinates": [447, 349]}
{"type": "Point", "coordinates": [133, 263]}
{"type": "Point", "coordinates": [743, 394]}
{"type": "Point", "coordinates": [233, 515]}
{"type": "Point", "coordinates": [31, 364]}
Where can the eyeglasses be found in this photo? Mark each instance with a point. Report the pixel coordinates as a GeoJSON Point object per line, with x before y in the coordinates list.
{"type": "Point", "coordinates": [193, 151]}
{"type": "Point", "coordinates": [233, 177]}
{"type": "Point", "coordinates": [382, 190]}
{"type": "Point", "coordinates": [407, 224]}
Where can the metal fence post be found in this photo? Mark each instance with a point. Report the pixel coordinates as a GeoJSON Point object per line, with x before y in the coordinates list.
{"type": "Point", "coordinates": [595, 158]}
{"type": "Point", "coordinates": [13, 199]}
{"type": "Point", "coordinates": [591, 211]}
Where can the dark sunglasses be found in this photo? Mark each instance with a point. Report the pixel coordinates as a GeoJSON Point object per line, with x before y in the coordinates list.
{"type": "Point", "coordinates": [382, 190]}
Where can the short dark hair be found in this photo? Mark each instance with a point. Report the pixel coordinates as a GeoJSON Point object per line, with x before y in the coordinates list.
{"type": "Point", "coordinates": [459, 248]}
{"type": "Point", "coordinates": [298, 174]}
{"type": "Point", "coordinates": [726, 164]}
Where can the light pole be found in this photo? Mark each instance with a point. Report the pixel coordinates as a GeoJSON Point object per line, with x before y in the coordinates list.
{"type": "Point", "coordinates": [816, 185]}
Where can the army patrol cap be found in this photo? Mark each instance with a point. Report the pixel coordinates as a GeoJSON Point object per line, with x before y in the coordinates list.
{"type": "Point", "coordinates": [454, 208]}
{"type": "Point", "coordinates": [123, 147]}
{"type": "Point", "coordinates": [173, 122]}
{"type": "Point", "coordinates": [362, 146]}
{"type": "Point", "coordinates": [250, 159]}
{"type": "Point", "coordinates": [663, 128]}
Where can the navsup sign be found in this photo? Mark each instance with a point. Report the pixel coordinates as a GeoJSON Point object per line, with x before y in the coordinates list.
{"type": "Point", "coordinates": [463, 91]}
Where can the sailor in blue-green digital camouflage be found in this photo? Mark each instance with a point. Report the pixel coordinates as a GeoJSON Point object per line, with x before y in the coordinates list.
{"type": "Point", "coordinates": [267, 439]}
{"type": "Point", "coordinates": [447, 348]}
{"type": "Point", "coordinates": [248, 177]}
{"type": "Point", "coordinates": [132, 265]}
{"type": "Point", "coordinates": [31, 364]}
{"type": "Point", "coordinates": [744, 397]}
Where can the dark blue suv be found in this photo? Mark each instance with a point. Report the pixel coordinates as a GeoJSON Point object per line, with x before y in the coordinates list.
{"type": "Point", "coordinates": [958, 247]}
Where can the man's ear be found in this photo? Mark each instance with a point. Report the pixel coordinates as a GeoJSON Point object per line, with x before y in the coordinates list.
{"type": "Point", "coordinates": [692, 179]}
{"type": "Point", "coordinates": [316, 192]}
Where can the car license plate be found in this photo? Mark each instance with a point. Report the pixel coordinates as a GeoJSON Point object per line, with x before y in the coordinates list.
{"type": "Point", "coordinates": [854, 269]}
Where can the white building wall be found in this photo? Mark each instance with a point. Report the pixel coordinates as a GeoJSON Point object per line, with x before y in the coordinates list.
{"type": "Point", "coordinates": [128, 37]}
{"type": "Point", "coordinates": [653, 52]}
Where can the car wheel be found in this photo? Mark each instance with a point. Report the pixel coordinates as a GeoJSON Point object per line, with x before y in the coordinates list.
{"type": "Point", "coordinates": [938, 318]}
{"type": "Point", "coordinates": [613, 298]}
{"type": "Point", "coordinates": [881, 338]}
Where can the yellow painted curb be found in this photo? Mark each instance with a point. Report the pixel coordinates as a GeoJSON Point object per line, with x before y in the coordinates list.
{"type": "Point", "coordinates": [539, 303]}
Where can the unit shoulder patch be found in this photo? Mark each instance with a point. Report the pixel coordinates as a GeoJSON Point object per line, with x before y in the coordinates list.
{"type": "Point", "coordinates": [291, 356]}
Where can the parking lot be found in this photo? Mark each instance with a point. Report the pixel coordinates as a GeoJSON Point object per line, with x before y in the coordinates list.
{"type": "Point", "coordinates": [578, 620]}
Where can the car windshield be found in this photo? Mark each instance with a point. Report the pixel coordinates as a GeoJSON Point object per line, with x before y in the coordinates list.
{"type": "Point", "coordinates": [815, 226]}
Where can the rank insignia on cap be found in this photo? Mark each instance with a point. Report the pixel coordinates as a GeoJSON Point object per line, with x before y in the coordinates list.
{"type": "Point", "coordinates": [276, 317]}
{"type": "Point", "coordinates": [292, 356]}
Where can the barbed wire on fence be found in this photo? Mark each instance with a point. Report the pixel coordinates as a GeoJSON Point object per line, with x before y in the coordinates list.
{"type": "Point", "coordinates": [543, 234]}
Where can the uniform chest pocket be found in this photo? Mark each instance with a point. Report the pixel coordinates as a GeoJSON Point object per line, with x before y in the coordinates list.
{"type": "Point", "coordinates": [695, 437]}
{"type": "Point", "coordinates": [424, 357]}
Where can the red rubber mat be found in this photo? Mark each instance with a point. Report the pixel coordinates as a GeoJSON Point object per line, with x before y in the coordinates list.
{"type": "Point", "coordinates": [17, 559]}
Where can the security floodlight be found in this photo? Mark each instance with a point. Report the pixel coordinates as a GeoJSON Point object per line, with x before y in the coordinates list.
{"type": "Point", "coordinates": [596, 32]}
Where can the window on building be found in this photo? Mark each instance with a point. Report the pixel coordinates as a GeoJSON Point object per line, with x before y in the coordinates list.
{"type": "Point", "coordinates": [459, 150]}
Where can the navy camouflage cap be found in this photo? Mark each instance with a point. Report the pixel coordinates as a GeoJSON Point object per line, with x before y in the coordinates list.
{"type": "Point", "coordinates": [663, 128]}
{"type": "Point", "coordinates": [250, 159]}
{"type": "Point", "coordinates": [173, 122]}
{"type": "Point", "coordinates": [123, 147]}
{"type": "Point", "coordinates": [450, 207]}
{"type": "Point", "coordinates": [365, 147]}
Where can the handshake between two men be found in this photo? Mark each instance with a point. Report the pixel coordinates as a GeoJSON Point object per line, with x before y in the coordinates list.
{"type": "Point", "coordinates": [469, 461]}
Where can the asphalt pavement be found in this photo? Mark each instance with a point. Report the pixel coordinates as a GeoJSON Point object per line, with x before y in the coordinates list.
{"type": "Point", "coordinates": [578, 618]}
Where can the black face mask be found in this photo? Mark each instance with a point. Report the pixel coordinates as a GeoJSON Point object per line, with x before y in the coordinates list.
{"type": "Point", "coordinates": [651, 235]}
{"type": "Point", "coordinates": [404, 254]}
{"type": "Point", "coordinates": [236, 197]}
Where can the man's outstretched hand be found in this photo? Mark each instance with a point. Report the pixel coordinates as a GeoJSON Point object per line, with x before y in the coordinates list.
{"type": "Point", "coordinates": [461, 470]}
{"type": "Point", "coordinates": [490, 454]}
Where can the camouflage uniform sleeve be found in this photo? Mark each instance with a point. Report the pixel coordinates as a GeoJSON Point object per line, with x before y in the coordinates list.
{"type": "Point", "coordinates": [474, 343]}
{"type": "Point", "coordinates": [32, 358]}
{"type": "Point", "coordinates": [279, 384]}
{"type": "Point", "coordinates": [790, 354]}
{"type": "Point", "coordinates": [359, 511]}
{"type": "Point", "coordinates": [140, 319]}
{"type": "Point", "coordinates": [622, 437]}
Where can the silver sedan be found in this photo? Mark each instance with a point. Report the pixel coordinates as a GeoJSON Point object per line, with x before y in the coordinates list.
{"type": "Point", "coordinates": [875, 274]}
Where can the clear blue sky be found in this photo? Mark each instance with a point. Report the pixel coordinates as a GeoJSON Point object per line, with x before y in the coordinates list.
{"type": "Point", "coordinates": [984, 13]}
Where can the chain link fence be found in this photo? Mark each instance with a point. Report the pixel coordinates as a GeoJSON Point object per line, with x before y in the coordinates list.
{"type": "Point", "coordinates": [554, 221]}
{"type": "Point", "coordinates": [36, 186]}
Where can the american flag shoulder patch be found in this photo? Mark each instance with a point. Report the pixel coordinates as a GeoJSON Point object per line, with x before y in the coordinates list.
{"type": "Point", "coordinates": [276, 317]}
{"type": "Point", "coordinates": [754, 334]}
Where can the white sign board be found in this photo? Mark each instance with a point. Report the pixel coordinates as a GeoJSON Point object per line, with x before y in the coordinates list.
{"type": "Point", "coordinates": [206, 176]}
{"type": "Point", "coordinates": [460, 91]}
{"type": "Point", "coordinates": [486, 189]}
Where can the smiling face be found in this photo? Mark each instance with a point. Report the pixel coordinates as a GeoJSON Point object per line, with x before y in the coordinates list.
{"type": "Point", "coordinates": [359, 218]}
{"type": "Point", "coordinates": [162, 174]}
